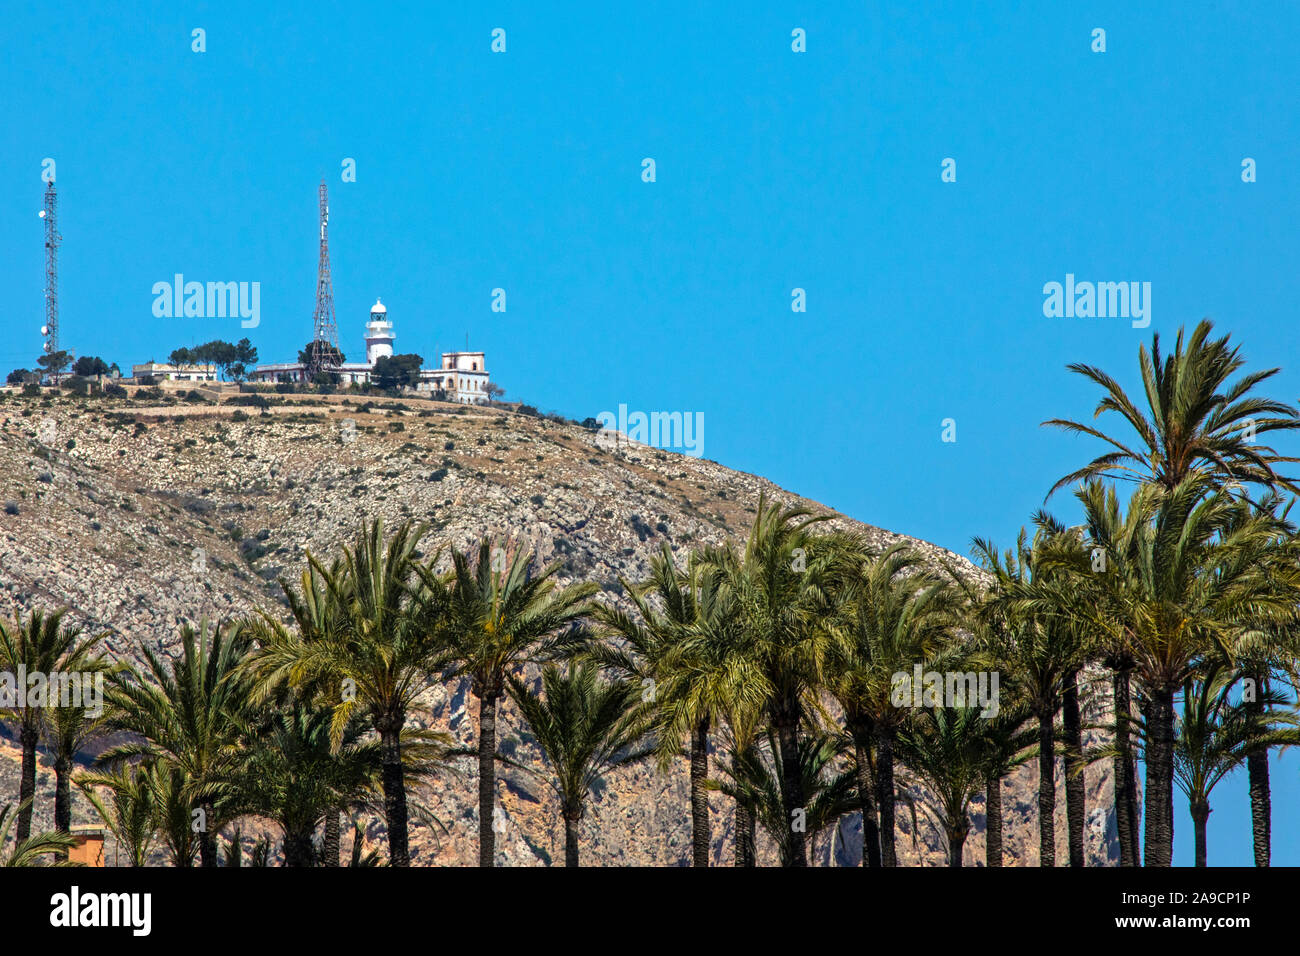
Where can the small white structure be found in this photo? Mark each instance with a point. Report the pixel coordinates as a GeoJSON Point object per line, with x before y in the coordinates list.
{"type": "Point", "coordinates": [175, 373]}
{"type": "Point", "coordinates": [463, 377]}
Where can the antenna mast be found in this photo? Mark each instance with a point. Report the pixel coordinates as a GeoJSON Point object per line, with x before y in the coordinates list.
{"type": "Point", "coordinates": [325, 342]}
{"type": "Point", "coordinates": [52, 239]}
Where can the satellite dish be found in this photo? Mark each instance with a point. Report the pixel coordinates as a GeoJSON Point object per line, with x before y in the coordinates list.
{"type": "Point", "coordinates": [45, 330]}
{"type": "Point", "coordinates": [41, 214]}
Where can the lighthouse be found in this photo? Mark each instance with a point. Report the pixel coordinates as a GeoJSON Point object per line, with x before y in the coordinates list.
{"type": "Point", "coordinates": [379, 334]}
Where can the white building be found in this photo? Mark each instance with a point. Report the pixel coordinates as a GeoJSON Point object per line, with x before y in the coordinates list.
{"type": "Point", "coordinates": [175, 373]}
{"type": "Point", "coordinates": [463, 375]}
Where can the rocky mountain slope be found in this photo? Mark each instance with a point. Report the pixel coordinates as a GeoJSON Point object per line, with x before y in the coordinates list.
{"type": "Point", "coordinates": [145, 513]}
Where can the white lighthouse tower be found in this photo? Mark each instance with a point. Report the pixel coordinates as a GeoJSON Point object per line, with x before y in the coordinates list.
{"type": "Point", "coordinates": [379, 334]}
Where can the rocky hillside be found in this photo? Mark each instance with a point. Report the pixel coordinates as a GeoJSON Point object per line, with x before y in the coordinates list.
{"type": "Point", "coordinates": [145, 513]}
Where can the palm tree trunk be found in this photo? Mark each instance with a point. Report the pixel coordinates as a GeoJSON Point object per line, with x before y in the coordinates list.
{"type": "Point", "coordinates": [208, 837]}
{"type": "Point", "coordinates": [487, 784]}
{"type": "Point", "coordinates": [1261, 809]}
{"type": "Point", "coordinates": [885, 793]}
{"type": "Point", "coordinates": [27, 736]}
{"type": "Point", "coordinates": [63, 798]}
{"type": "Point", "coordinates": [297, 848]}
{"type": "Point", "coordinates": [992, 820]}
{"type": "Point", "coordinates": [1159, 836]}
{"type": "Point", "coordinates": [867, 801]}
{"type": "Point", "coordinates": [1200, 814]}
{"type": "Point", "coordinates": [1046, 788]}
{"type": "Point", "coordinates": [330, 850]}
{"type": "Point", "coordinates": [956, 842]}
{"type": "Point", "coordinates": [792, 796]}
{"type": "Point", "coordinates": [701, 838]}
{"type": "Point", "coordinates": [394, 793]}
{"type": "Point", "coordinates": [63, 795]}
{"type": "Point", "coordinates": [745, 855]}
{"type": "Point", "coordinates": [1125, 784]}
{"type": "Point", "coordinates": [1075, 810]}
{"type": "Point", "coordinates": [571, 837]}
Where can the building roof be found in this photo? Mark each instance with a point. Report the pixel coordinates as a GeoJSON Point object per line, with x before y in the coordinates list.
{"type": "Point", "coordinates": [168, 367]}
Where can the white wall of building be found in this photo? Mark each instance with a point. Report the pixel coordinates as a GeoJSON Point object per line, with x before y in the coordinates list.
{"type": "Point", "coordinates": [176, 373]}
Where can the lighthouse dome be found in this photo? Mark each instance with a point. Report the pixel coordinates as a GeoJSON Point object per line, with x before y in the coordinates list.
{"type": "Point", "coordinates": [378, 308]}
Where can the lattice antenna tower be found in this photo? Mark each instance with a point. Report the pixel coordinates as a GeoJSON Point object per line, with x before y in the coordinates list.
{"type": "Point", "coordinates": [52, 239]}
{"type": "Point", "coordinates": [325, 341]}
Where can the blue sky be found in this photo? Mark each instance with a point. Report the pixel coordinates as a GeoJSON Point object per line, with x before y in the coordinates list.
{"type": "Point", "coordinates": [775, 170]}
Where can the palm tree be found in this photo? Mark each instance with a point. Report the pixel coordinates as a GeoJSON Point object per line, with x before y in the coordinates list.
{"type": "Point", "coordinates": [233, 853]}
{"type": "Point", "coordinates": [293, 775]}
{"type": "Point", "coordinates": [1259, 664]}
{"type": "Point", "coordinates": [170, 793]}
{"type": "Point", "coordinates": [1215, 736]}
{"type": "Point", "coordinates": [129, 812]}
{"type": "Point", "coordinates": [358, 859]}
{"type": "Point", "coordinates": [70, 724]}
{"type": "Point", "coordinates": [315, 612]}
{"type": "Point", "coordinates": [710, 670]}
{"type": "Point", "coordinates": [895, 612]}
{"type": "Point", "coordinates": [1072, 751]}
{"type": "Point", "coordinates": [782, 591]}
{"type": "Point", "coordinates": [1186, 575]}
{"type": "Point", "coordinates": [1123, 767]}
{"type": "Point", "coordinates": [586, 727]}
{"type": "Point", "coordinates": [1034, 642]}
{"type": "Point", "coordinates": [1263, 655]}
{"type": "Point", "coordinates": [501, 616]}
{"type": "Point", "coordinates": [1195, 421]}
{"type": "Point", "coordinates": [945, 748]}
{"type": "Point", "coordinates": [290, 770]}
{"type": "Point", "coordinates": [1007, 742]}
{"type": "Point", "coordinates": [743, 724]}
{"type": "Point", "coordinates": [30, 850]}
{"type": "Point", "coordinates": [680, 654]}
{"type": "Point", "coordinates": [186, 715]}
{"type": "Point", "coordinates": [372, 654]}
{"type": "Point", "coordinates": [37, 645]}
{"type": "Point", "coordinates": [755, 779]}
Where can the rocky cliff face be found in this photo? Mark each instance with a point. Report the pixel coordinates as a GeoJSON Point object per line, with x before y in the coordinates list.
{"type": "Point", "coordinates": [143, 517]}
